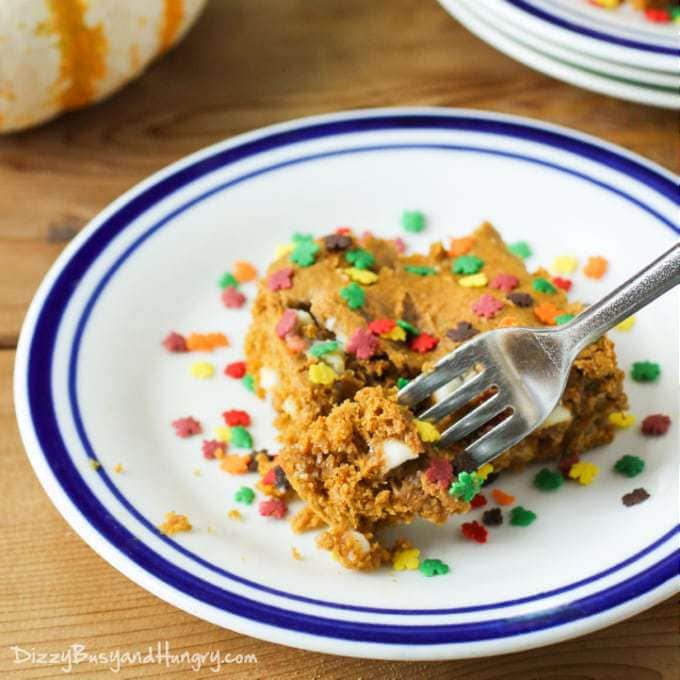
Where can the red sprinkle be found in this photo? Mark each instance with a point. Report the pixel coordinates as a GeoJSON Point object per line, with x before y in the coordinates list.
{"type": "Point", "coordinates": [286, 323]}
{"type": "Point", "coordinates": [281, 279]}
{"type": "Point", "coordinates": [380, 326]}
{"type": "Point", "coordinates": [210, 446]}
{"type": "Point", "coordinates": [658, 16]}
{"type": "Point", "coordinates": [274, 507]}
{"type": "Point", "coordinates": [363, 344]}
{"type": "Point", "coordinates": [233, 298]}
{"type": "Point", "coordinates": [423, 343]}
{"type": "Point", "coordinates": [343, 231]}
{"type": "Point", "coordinates": [564, 284]}
{"type": "Point", "coordinates": [474, 531]}
{"type": "Point", "coordinates": [236, 369]}
{"type": "Point", "coordinates": [565, 464]}
{"type": "Point", "coordinates": [655, 425]}
{"type": "Point", "coordinates": [479, 501]}
{"type": "Point", "coordinates": [439, 472]}
{"type": "Point", "coordinates": [487, 306]}
{"type": "Point", "coordinates": [399, 245]}
{"type": "Point", "coordinates": [174, 342]}
{"type": "Point", "coordinates": [270, 476]}
{"type": "Point", "coordinates": [186, 427]}
{"type": "Point", "coordinates": [234, 417]}
{"type": "Point", "coordinates": [505, 282]}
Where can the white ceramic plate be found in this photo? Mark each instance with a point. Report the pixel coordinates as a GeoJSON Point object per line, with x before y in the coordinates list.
{"type": "Point", "coordinates": [92, 381]}
{"type": "Point", "coordinates": [584, 61]}
{"type": "Point", "coordinates": [507, 38]}
{"type": "Point", "coordinates": [623, 36]}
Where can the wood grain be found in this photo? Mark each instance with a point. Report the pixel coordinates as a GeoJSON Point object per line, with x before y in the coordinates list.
{"type": "Point", "coordinates": [249, 63]}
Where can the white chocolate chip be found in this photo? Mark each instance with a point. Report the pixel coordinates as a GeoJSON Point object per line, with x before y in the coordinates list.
{"type": "Point", "coordinates": [360, 539]}
{"type": "Point", "coordinates": [394, 453]}
{"type": "Point", "coordinates": [559, 414]}
{"type": "Point", "coordinates": [336, 360]}
{"type": "Point", "coordinates": [289, 406]}
{"type": "Point", "coordinates": [452, 385]}
{"type": "Point", "coordinates": [268, 378]}
{"type": "Point", "coordinates": [304, 318]}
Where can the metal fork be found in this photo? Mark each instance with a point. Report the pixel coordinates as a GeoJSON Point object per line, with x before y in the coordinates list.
{"type": "Point", "coordinates": [526, 367]}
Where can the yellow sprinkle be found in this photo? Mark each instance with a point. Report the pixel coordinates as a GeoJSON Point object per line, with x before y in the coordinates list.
{"type": "Point", "coordinates": [397, 333]}
{"type": "Point", "coordinates": [564, 264]}
{"type": "Point", "coordinates": [485, 471]}
{"type": "Point", "coordinates": [283, 249]}
{"type": "Point", "coordinates": [621, 419]}
{"type": "Point", "coordinates": [202, 370]}
{"type": "Point", "coordinates": [234, 514]}
{"type": "Point", "coordinates": [406, 559]}
{"type": "Point", "coordinates": [608, 4]}
{"type": "Point", "coordinates": [322, 374]}
{"type": "Point", "coordinates": [361, 275]}
{"type": "Point", "coordinates": [584, 472]}
{"type": "Point", "coordinates": [197, 472]}
{"type": "Point", "coordinates": [211, 529]}
{"type": "Point", "coordinates": [474, 281]}
{"type": "Point", "coordinates": [427, 431]}
{"type": "Point", "coordinates": [223, 433]}
{"type": "Point", "coordinates": [626, 324]}
{"type": "Point", "coordinates": [94, 464]}
{"type": "Point", "coordinates": [118, 468]}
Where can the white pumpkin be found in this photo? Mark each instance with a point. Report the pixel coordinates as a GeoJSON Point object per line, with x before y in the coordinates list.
{"type": "Point", "coordinates": [57, 55]}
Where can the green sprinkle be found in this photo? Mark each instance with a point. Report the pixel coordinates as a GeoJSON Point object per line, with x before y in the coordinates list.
{"type": "Point", "coordinates": [248, 382]}
{"type": "Point", "coordinates": [402, 382]}
{"type": "Point", "coordinates": [413, 221]}
{"type": "Point", "coordinates": [630, 466]}
{"type": "Point", "coordinates": [360, 258]}
{"type": "Point", "coordinates": [645, 371]}
{"type": "Point", "coordinates": [321, 347]}
{"type": "Point", "coordinates": [466, 486]}
{"type": "Point", "coordinates": [563, 318]}
{"type": "Point", "coordinates": [520, 249]}
{"type": "Point", "coordinates": [419, 270]}
{"type": "Point", "coordinates": [228, 280]}
{"type": "Point", "coordinates": [240, 437]}
{"type": "Point", "coordinates": [467, 264]}
{"type": "Point", "coordinates": [353, 295]}
{"type": "Point", "coordinates": [521, 517]}
{"type": "Point", "coordinates": [547, 480]}
{"type": "Point", "coordinates": [543, 286]}
{"type": "Point", "coordinates": [245, 495]}
{"type": "Point", "coordinates": [301, 238]}
{"type": "Point", "coordinates": [675, 13]}
{"type": "Point", "coordinates": [433, 568]}
{"type": "Point", "coordinates": [304, 253]}
{"type": "Point", "coordinates": [409, 328]}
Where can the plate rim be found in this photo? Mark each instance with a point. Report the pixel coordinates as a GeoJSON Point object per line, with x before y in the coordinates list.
{"type": "Point", "coordinates": [639, 93]}
{"type": "Point", "coordinates": [58, 495]}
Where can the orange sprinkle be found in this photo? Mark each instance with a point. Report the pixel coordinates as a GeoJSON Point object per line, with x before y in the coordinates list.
{"type": "Point", "coordinates": [460, 246]}
{"type": "Point", "coordinates": [236, 465]}
{"type": "Point", "coordinates": [595, 267]}
{"type": "Point", "coordinates": [507, 322]}
{"type": "Point", "coordinates": [206, 342]}
{"type": "Point", "coordinates": [244, 271]}
{"type": "Point", "coordinates": [501, 497]}
{"type": "Point", "coordinates": [547, 312]}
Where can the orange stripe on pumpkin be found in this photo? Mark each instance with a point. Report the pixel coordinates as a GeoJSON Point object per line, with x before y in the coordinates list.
{"type": "Point", "coordinates": [82, 52]}
{"type": "Point", "coordinates": [173, 15]}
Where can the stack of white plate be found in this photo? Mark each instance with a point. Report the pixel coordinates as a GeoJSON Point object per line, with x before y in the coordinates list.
{"type": "Point", "coordinates": [618, 53]}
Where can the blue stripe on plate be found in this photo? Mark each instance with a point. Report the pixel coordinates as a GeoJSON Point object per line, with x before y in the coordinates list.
{"type": "Point", "coordinates": [589, 32]}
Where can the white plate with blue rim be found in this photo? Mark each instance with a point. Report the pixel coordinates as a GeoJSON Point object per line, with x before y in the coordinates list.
{"type": "Point", "coordinates": [623, 36]}
{"type": "Point", "coordinates": [570, 66]}
{"type": "Point", "coordinates": [93, 383]}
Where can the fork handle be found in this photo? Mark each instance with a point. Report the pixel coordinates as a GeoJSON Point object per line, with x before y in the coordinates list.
{"type": "Point", "coordinates": [647, 285]}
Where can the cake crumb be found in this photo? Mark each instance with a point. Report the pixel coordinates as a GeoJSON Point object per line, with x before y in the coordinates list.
{"type": "Point", "coordinates": [235, 514]}
{"type": "Point", "coordinates": [174, 523]}
{"type": "Point", "coordinates": [296, 554]}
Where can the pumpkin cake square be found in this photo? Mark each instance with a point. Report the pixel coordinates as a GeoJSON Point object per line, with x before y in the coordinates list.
{"type": "Point", "coordinates": [341, 323]}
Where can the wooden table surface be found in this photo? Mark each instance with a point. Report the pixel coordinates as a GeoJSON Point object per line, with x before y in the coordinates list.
{"type": "Point", "coordinates": [246, 64]}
